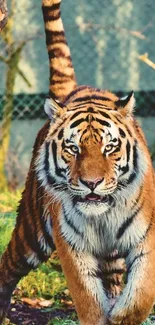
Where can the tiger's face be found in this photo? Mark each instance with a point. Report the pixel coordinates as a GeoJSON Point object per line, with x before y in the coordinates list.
{"type": "Point", "coordinates": [90, 154]}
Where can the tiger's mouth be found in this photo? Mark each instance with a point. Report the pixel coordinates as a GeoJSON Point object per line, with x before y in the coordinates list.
{"type": "Point", "coordinates": [94, 198]}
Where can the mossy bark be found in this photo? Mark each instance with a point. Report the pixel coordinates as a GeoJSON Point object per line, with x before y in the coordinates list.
{"type": "Point", "coordinates": [12, 69]}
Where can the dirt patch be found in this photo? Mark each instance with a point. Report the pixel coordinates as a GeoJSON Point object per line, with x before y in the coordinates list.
{"type": "Point", "coordinates": [22, 314]}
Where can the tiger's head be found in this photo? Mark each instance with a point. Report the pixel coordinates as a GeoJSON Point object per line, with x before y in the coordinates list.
{"type": "Point", "coordinates": [91, 151]}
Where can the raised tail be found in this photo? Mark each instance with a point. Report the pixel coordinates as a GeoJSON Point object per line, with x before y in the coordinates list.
{"type": "Point", "coordinates": [62, 75]}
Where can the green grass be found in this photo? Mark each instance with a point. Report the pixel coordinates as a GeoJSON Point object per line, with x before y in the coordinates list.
{"type": "Point", "coordinates": [58, 321]}
{"type": "Point", "coordinates": [7, 222]}
{"type": "Point", "coordinates": [8, 206]}
{"type": "Point", "coordinates": [44, 282]}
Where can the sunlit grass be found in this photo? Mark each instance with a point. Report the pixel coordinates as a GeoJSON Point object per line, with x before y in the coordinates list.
{"type": "Point", "coordinates": [44, 282]}
{"type": "Point", "coordinates": [9, 201]}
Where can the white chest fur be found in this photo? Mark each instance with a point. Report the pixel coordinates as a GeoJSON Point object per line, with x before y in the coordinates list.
{"type": "Point", "coordinates": [119, 229]}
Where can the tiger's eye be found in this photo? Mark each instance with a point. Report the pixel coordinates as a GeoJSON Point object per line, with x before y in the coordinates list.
{"type": "Point", "coordinates": [74, 149]}
{"type": "Point", "coordinates": [109, 147]}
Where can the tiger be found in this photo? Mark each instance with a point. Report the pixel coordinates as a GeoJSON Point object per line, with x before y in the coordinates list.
{"type": "Point", "coordinates": [89, 194]}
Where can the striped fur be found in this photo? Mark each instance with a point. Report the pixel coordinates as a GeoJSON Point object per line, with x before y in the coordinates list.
{"type": "Point", "coordinates": [90, 193]}
{"type": "Point", "coordinates": [62, 76]}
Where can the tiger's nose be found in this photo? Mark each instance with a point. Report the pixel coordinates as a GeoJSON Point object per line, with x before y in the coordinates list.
{"type": "Point", "coordinates": [93, 183]}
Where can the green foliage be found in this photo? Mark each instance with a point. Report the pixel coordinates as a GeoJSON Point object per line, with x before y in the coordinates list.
{"type": "Point", "coordinates": [44, 282]}
{"type": "Point", "coordinates": [9, 201]}
{"type": "Point", "coordinates": [8, 206]}
{"type": "Point", "coordinates": [148, 322]}
{"type": "Point", "coordinates": [58, 321]}
{"type": "Point", "coordinates": [6, 226]}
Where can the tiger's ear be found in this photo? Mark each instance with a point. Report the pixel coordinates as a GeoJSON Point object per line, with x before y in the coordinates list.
{"type": "Point", "coordinates": [53, 108]}
{"type": "Point", "coordinates": [126, 105]}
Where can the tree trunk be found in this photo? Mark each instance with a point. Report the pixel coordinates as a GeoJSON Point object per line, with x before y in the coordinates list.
{"type": "Point", "coordinates": [12, 68]}
{"type": "Point", "coordinates": [3, 13]}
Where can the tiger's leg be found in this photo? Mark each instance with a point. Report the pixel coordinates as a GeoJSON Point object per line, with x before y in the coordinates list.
{"type": "Point", "coordinates": [85, 286]}
{"type": "Point", "coordinates": [137, 298]}
{"type": "Point", "coordinates": [31, 243]}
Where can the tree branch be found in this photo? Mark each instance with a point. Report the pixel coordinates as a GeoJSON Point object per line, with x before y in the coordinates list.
{"type": "Point", "coordinates": [22, 75]}
{"type": "Point", "coordinates": [3, 13]}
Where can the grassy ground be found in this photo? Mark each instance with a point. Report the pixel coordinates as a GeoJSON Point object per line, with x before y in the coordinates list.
{"type": "Point", "coordinates": [47, 282]}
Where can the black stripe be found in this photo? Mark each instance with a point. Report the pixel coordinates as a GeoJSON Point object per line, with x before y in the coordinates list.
{"type": "Point", "coordinates": [58, 170]}
{"type": "Point", "coordinates": [105, 114]}
{"type": "Point", "coordinates": [76, 123]}
{"type": "Point", "coordinates": [58, 41]}
{"type": "Point", "coordinates": [46, 235]}
{"type": "Point", "coordinates": [47, 9]}
{"type": "Point", "coordinates": [129, 131]}
{"type": "Point", "coordinates": [132, 177]}
{"type": "Point", "coordinates": [51, 37]}
{"type": "Point", "coordinates": [90, 98]}
{"type": "Point", "coordinates": [135, 157]}
{"type": "Point", "coordinates": [128, 149]}
{"type": "Point", "coordinates": [124, 169]}
{"type": "Point", "coordinates": [111, 258]}
{"type": "Point", "coordinates": [122, 133]}
{"type": "Point", "coordinates": [30, 232]}
{"type": "Point", "coordinates": [15, 269]}
{"type": "Point", "coordinates": [112, 271]}
{"type": "Point", "coordinates": [102, 122]}
{"type": "Point", "coordinates": [85, 104]}
{"type": "Point", "coordinates": [138, 198]}
{"type": "Point", "coordinates": [48, 17]}
{"type": "Point", "coordinates": [39, 205]}
{"type": "Point", "coordinates": [74, 92]}
{"type": "Point", "coordinates": [20, 250]}
{"type": "Point", "coordinates": [57, 52]}
{"type": "Point", "coordinates": [50, 179]}
{"type": "Point", "coordinates": [127, 223]}
{"type": "Point", "coordinates": [118, 119]}
{"type": "Point", "coordinates": [116, 150]}
{"type": "Point", "coordinates": [77, 114]}
{"type": "Point", "coordinates": [71, 225]}
{"type": "Point", "coordinates": [30, 225]}
{"type": "Point", "coordinates": [60, 74]}
{"type": "Point", "coordinates": [52, 18]}
{"type": "Point", "coordinates": [55, 130]}
{"type": "Point", "coordinates": [135, 258]}
{"type": "Point", "coordinates": [60, 134]}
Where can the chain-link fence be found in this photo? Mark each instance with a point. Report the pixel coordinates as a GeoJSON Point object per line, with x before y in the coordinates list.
{"type": "Point", "coordinates": [108, 41]}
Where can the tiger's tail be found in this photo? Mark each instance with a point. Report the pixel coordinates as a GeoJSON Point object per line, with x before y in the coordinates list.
{"type": "Point", "coordinates": [62, 75]}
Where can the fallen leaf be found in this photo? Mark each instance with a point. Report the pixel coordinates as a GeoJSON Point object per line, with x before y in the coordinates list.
{"type": "Point", "coordinates": [67, 302]}
{"type": "Point", "coordinates": [38, 302]}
